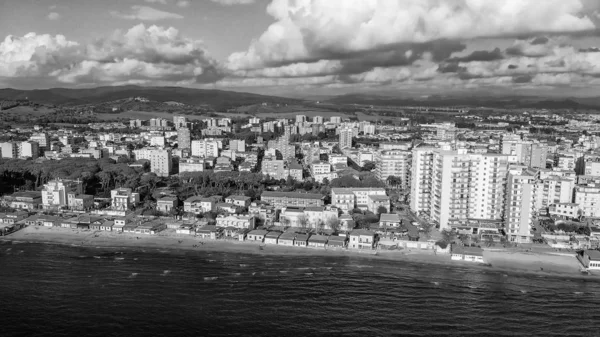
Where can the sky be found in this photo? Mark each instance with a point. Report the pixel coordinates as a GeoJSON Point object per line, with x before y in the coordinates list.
{"type": "Point", "coordinates": [306, 47]}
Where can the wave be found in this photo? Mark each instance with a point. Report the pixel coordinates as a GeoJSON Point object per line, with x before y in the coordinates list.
{"type": "Point", "coordinates": [166, 272]}
{"type": "Point", "coordinates": [243, 265]}
{"type": "Point", "coordinates": [133, 275]}
{"type": "Point", "coordinates": [210, 278]}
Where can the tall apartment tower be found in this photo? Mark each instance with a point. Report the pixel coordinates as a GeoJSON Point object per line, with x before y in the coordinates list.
{"type": "Point", "coordinates": [346, 138]}
{"type": "Point", "coordinates": [520, 205]}
{"type": "Point", "coordinates": [10, 150]}
{"type": "Point", "coordinates": [454, 186]}
{"type": "Point", "coordinates": [184, 138]}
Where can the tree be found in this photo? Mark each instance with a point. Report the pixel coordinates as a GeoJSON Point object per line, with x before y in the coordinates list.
{"type": "Point", "coordinates": [489, 241]}
{"type": "Point", "coordinates": [303, 222]}
{"type": "Point", "coordinates": [334, 224]}
{"type": "Point", "coordinates": [320, 226]}
{"type": "Point", "coordinates": [449, 236]}
{"type": "Point", "coordinates": [381, 210]}
{"type": "Point", "coordinates": [465, 239]}
{"type": "Point", "coordinates": [369, 166]}
{"type": "Point", "coordinates": [285, 222]}
{"type": "Point", "coordinates": [394, 181]}
{"type": "Point", "coordinates": [427, 228]}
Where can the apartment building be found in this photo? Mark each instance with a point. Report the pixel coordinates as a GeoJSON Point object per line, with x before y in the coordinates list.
{"type": "Point", "coordinates": [9, 150]}
{"type": "Point", "coordinates": [191, 165]}
{"type": "Point", "coordinates": [520, 205]}
{"type": "Point", "coordinates": [588, 199]}
{"type": "Point", "coordinates": [347, 199]}
{"type": "Point", "coordinates": [123, 198]}
{"type": "Point", "coordinates": [160, 160]}
{"type": "Point", "coordinates": [236, 221]}
{"type": "Point", "coordinates": [55, 193]}
{"type": "Point", "coordinates": [286, 199]}
{"type": "Point", "coordinates": [394, 163]}
{"type": "Point", "coordinates": [184, 138]}
{"type": "Point", "coordinates": [553, 190]}
{"type": "Point", "coordinates": [205, 148]}
{"type": "Point", "coordinates": [452, 186]}
{"type": "Point", "coordinates": [345, 138]}
{"type": "Point", "coordinates": [29, 149]}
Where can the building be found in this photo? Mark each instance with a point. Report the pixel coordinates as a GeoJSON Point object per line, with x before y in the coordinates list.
{"type": "Point", "coordinates": [238, 145]}
{"type": "Point", "coordinates": [238, 200]}
{"type": "Point", "coordinates": [80, 202]}
{"type": "Point", "coordinates": [29, 149]}
{"type": "Point", "coordinates": [123, 199]}
{"type": "Point", "coordinates": [285, 199]}
{"type": "Point", "coordinates": [237, 221]}
{"type": "Point", "coordinates": [452, 186]}
{"type": "Point", "coordinates": [191, 165]}
{"type": "Point", "coordinates": [184, 138]}
{"type": "Point", "coordinates": [361, 239]}
{"type": "Point", "coordinates": [55, 193]}
{"type": "Point", "coordinates": [9, 150]}
{"type": "Point", "coordinates": [42, 139]}
{"type": "Point", "coordinates": [300, 119]}
{"type": "Point", "coordinates": [166, 204]}
{"type": "Point", "coordinates": [394, 163]}
{"type": "Point", "coordinates": [205, 148]}
{"type": "Point", "coordinates": [472, 254]}
{"type": "Point", "coordinates": [591, 259]}
{"type": "Point", "coordinates": [345, 138]}
{"type": "Point", "coordinates": [29, 200]}
{"type": "Point", "coordinates": [179, 122]}
{"type": "Point", "coordinates": [335, 119]}
{"type": "Point", "coordinates": [564, 210]}
{"type": "Point", "coordinates": [348, 199]}
{"type": "Point", "coordinates": [520, 205]}
{"type": "Point", "coordinates": [135, 123]}
{"type": "Point", "coordinates": [588, 199]}
{"type": "Point", "coordinates": [199, 205]}
{"type": "Point", "coordinates": [282, 145]}
{"type": "Point", "coordinates": [160, 160]}
{"type": "Point", "coordinates": [374, 202]}
{"type": "Point", "coordinates": [317, 120]}
{"type": "Point", "coordinates": [553, 190]}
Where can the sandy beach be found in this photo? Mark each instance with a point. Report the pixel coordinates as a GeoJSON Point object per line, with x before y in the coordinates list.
{"type": "Point", "coordinates": [506, 260]}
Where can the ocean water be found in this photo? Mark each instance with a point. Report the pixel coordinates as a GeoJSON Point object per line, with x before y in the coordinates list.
{"type": "Point", "coordinates": [49, 290]}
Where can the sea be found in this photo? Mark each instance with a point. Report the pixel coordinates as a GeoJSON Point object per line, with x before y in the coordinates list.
{"type": "Point", "coordinates": [53, 290]}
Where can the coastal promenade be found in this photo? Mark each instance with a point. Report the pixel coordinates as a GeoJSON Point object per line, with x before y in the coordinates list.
{"type": "Point", "coordinates": [507, 260]}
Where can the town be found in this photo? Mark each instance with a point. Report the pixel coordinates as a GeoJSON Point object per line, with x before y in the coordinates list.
{"type": "Point", "coordinates": [477, 182]}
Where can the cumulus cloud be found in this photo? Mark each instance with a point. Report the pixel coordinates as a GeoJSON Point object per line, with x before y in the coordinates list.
{"type": "Point", "coordinates": [53, 16]}
{"type": "Point", "coordinates": [162, 2]}
{"type": "Point", "coordinates": [141, 54]}
{"type": "Point", "coordinates": [233, 2]}
{"type": "Point", "coordinates": [145, 13]}
{"type": "Point", "coordinates": [307, 29]}
{"type": "Point", "coordinates": [35, 55]}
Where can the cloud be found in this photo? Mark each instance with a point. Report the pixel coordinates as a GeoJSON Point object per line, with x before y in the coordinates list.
{"type": "Point", "coordinates": [162, 2]}
{"type": "Point", "coordinates": [233, 2]}
{"type": "Point", "coordinates": [305, 29]}
{"type": "Point", "coordinates": [53, 16]}
{"type": "Point", "coordinates": [141, 54]}
{"type": "Point", "coordinates": [183, 3]}
{"type": "Point", "coordinates": [145, 13]}
{"type": "Point", "coordinates": [590, 50]}
{"type": "Point", "coordinates": [35, 55]}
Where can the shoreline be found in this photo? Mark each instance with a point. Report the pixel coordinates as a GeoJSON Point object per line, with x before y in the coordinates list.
{"type": "Point", "coordinates": [500, 261]}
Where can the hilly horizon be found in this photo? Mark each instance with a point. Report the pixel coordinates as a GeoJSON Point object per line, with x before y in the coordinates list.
{"type": "Point", "coordinates": [224, 99]}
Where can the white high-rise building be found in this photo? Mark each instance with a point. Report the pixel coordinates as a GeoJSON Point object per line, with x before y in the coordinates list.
{"type": "Point", "coordinates": [300, 119]}
{"type": "Point", "coordinates": [335, 119]}
{"type": "Point", "coordinates": [520, 205]}
{"type": "Point", "coordinates": [10, 150]}
{"type": "Point", "coordinates": [205, 148]}
{"type": "Point", "coordinates": [42, 139]}
{"type": "Point", "coordinates": [588, 198]}
{"type": "Point", "coordinates": [238, 145]}
{"type": "Point", "coordinates": [318, 120]}
{"type": "Point", "coordinates": [184, 138]}
{"type": "Point", "coordinates": [346, 138]}
{"type": "Point", "coordinates": [454, 186]}
{"type": "Point", "coordinates": [160, 160]}
{"type": "Point", "coordinates": [29, 149]}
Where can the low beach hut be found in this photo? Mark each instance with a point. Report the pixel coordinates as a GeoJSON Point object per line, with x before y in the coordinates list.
{"type": "Point", "coordinates": [336, 241]}
{"type": "Point", "coordinates": [301, 240]}
{"type": "Point", "coordinates": [271, 237]}
{"type": "Point", "coordinates": [317, 241]}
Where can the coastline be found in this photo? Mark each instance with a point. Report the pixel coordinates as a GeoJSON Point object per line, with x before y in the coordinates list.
{"type": "Point", "coordinates": [499, 260]}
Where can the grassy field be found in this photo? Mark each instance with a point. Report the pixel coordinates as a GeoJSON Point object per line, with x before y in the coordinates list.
{"type": "Point", "coordinates": [28, 111]}
{"type": "Point", "coordinates": [146, 115]}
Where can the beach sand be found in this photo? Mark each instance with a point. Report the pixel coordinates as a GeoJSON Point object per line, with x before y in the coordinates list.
{"type": "Point", "coordinates": [506, 260]}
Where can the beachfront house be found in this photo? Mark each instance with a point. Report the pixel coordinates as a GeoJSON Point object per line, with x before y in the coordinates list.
{"type": "Point", "coordinates": [317, 241]}
{"type": "Point", "coordinates": [237, 221]}
{"type": "Point", "coordinates": [226, 207]}
{"type": "Point", "coordinates": [471, 254]}
{"type": "Point", "coordinates": [257, 235]}
{"type": "Point", "coordinates": [129, 227]}
{"type": "Point", "coordinates": [107, 225]}
{"type": "Point", "coordinates": [336, 241]}
{"type": "Point", "coordinates": [361, 239]}
{"type": "Point", "coordinates": [208, 232]}
{"type": "Point", "coordinates": [287, 239]}
{"type": "Point", "coordinates": [185, 229]}
{"type": "Point", "coordinates": [591, 259]}
{"type": "Point", "coordinates": [271, 237]}
{"type": "Point", "coordinates": [301, 240]}
{"type": "Point", "coordinates": [166, 204]}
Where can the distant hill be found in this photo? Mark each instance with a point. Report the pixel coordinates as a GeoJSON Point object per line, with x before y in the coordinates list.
{"type": "Point", "coordinates": [218, 99]}
{"type": "Point", "coordinates": [492, 102]}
